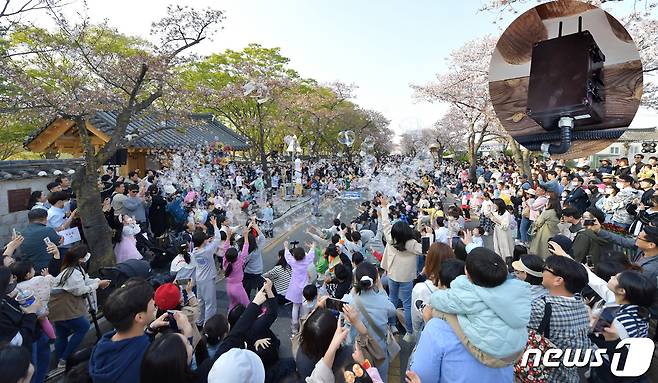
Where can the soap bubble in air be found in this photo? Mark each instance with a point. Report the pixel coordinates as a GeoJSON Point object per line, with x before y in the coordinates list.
{"type": "Point", "coordinates": [346, 137]}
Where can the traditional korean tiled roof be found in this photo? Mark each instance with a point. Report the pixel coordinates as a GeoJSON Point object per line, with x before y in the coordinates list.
{"type": "Point", "coordinates": [199, 129]}
{"type": "Point", "coordinates": [23, 169]}
{"type": "Point", "coordinates": [639, 135]}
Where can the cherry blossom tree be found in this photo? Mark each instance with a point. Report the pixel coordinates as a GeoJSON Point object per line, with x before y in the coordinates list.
{"type": "Point", "coordinates": [80, 69]}
{"type": "Point", "coordinates": [465, 88]}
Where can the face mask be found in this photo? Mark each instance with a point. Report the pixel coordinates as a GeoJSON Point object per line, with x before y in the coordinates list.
{"type": "Point", "coordinates": [574, 183]}
{"type": "Point", "coordinates": [620, 185]}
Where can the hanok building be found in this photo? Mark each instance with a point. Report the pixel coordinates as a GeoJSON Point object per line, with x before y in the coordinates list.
{"type": "Point", "coordinates": [150, 136]}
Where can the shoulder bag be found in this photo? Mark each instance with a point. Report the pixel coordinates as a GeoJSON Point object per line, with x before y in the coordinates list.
{"type": "Point", "coordinates": [393, 348]}
{"type": "Point", "coordinates": [537, 340]}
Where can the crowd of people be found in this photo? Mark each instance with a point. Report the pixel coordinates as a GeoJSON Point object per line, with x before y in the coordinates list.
{"type": "Point", "coordinates": [470, 265]}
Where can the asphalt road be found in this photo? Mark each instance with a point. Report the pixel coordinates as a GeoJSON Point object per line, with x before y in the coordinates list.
{"type": "Point", "coordinates": [293, 227]}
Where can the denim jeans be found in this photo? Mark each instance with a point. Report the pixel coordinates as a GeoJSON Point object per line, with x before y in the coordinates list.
{"type": "Point", "coordinates": [75, 328]}
{"type": "Point", "coordinates": [40, 358]}
{"type": "Point", "coordinates": [420, 263]}
{"type": "Point", "coordinates": [523, 229]}
{"type": "Point", "coordinates": [403, 289]}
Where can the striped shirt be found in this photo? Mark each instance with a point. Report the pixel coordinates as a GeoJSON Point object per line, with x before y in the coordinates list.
{"type": "Point", "coordinates": [635, 324]}
{"type": "Point", "coordinates": [280, 277]}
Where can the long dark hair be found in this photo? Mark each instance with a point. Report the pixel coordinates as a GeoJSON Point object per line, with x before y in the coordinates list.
{"type": "Point", "coordinates": [500, 206]}
{"type": "Point", "coordinates": [231, 256]}
{"type": "Point", "coordinates": [165, 360]}
{"type": "Point", "coordinates": [71, 261]}
{"type": "Point", "coordinates": [14, 362]}
{"type": "Point", "coordinates": [253, 245]}
{"type": "Point", "coordinates": [553, 202]}
{"type": "Point", "coordinates": [184, 249]}
{"type": "Point", "coordinates": [401, 232]}
{"type": "Point", "coordinates": [365, 277]}
{"type": "Point", "coordinates": [282, 260]}
{"type": "Point", "coordinates": [34, 198]}
{"type": "Point", "coordinates": [639, 289]}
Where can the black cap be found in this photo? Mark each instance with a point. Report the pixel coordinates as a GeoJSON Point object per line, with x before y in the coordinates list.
{"type": "Point", "coordinates": [564, 242]}
{"type": "Point", "coordinates": [649, 180]}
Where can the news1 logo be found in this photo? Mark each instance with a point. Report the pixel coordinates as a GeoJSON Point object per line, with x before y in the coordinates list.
{"type": "Point", "coordinates": [638, 359]}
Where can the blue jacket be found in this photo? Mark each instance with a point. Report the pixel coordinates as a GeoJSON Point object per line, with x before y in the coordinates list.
{"type": "Point", "coordinates": [120, 361]}
{"type": "Point", "coordinates": [494, 319]}
{"type": "Point", "coordinates": [440, 357]}
{"type": "Point", "coordinates": [176, 209]}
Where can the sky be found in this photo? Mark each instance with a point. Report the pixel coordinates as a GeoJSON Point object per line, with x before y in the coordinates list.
{"type": "Point", "coordinates": [381, 46]}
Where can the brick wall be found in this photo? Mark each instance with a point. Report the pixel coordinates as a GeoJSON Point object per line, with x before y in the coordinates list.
{"type": "Point", "coordinates": [16, 220]}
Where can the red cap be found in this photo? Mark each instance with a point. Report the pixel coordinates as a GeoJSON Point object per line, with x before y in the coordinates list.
{"type": "Point", "coordinates": [167, 296]}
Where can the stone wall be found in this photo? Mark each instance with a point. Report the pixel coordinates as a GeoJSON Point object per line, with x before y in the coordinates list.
{"type": "Point", "coordinates": [16, 220]}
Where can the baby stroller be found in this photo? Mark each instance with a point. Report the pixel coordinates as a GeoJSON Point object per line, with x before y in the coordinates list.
{"type": "Point", "coordinates": [119, 274]}
{"type": "Point", "coordinates": [158, 257]}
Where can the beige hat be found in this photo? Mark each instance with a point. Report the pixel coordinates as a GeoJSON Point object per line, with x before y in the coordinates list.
{"type": "Point", "coordinates": [531, 191]}
{"type": "Point", "coordinates": [519, 266]}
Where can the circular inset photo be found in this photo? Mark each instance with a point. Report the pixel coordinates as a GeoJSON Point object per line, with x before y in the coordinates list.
{"type": "Point", "coordinates": [565, 79]}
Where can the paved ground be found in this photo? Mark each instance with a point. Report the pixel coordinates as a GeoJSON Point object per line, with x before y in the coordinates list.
{"type": "Point", "coordinates": [293, 227]}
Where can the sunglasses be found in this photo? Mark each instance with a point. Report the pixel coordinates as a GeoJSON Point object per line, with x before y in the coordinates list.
{"type": "Point", "coordinates": [552, 272]}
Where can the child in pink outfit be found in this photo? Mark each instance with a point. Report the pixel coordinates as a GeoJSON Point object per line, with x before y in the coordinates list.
{"type": "Point", "coordinates": [234, 272]}
{"type": "Point", "coordinates": [40, 286]}
{"type": "Point", "coordinates": [299, 264]}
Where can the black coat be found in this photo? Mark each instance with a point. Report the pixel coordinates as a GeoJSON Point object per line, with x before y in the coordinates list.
{"type": "Point", "coordinates": [13, 321]}
{"type": "Point", "coordinates": [158, 215]}
{"type": "Point", "coordinates": [236, 338]}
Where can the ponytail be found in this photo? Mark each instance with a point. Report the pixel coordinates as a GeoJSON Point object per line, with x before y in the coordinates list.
{"type": "Point", "coordinates": [231, 256]}
{"type": "Point", "coordinates": [366, 282]}
{"type": "Point", "coordinates": [183, 249]}
{"type": "Point", "coordinates": [365, 277]}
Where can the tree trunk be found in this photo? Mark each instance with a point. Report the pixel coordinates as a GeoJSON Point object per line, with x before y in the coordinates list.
{"type": "Point", "coordinates": [96, 231]}
{"type": "Point", "coordinates": [472, 160]}
{"type": "Point", "coordinates": [261, 151]}
{"type": "Point", "coordinates": [521, 156]}
{"type": "Point", "coordinates": [94, 225]}
{"type": "Point", "coordinates": [263, 164]}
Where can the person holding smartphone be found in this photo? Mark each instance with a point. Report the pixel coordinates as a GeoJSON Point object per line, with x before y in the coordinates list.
{"type": "Point", "coordinates": [628, 296]}
{"type": "Point", "coordinates": [588, 242]}
{"type": "Point", "coordinates": [34, 246]}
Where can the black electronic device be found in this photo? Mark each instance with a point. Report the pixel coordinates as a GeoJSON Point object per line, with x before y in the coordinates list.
{"type": "Point", "coordinates": [566, 80]}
